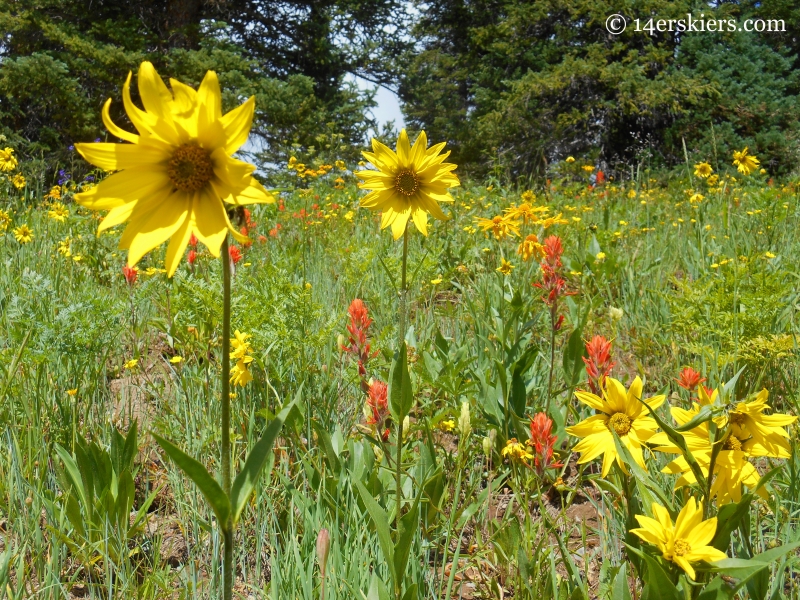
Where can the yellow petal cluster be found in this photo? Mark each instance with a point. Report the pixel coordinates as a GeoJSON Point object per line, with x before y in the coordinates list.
{"type": "Point", "coordinates": [177, 174]}
{"type": "Point", "coordinates": [684, 542]}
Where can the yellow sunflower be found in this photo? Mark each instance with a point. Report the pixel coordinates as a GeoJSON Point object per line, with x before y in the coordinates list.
{"type": "Point", "coordinates": [745, 163]}
{"type": "Point", "coordinates": [685, 542]}
{"type": "Point", "coordinates": [760, 434]}
{"type": "Point", "coordinates": [505, 267]}
{"type": "Point", "coordinates": [408, 183]}
{"type": "Point", "coordinates": [173, 180]}
{"type": "Point", "coordinates": [621, 412]}
{"type": "Point", "coordinates": [531, 247]}
{"type": "Point", "coordinates": [526, 212]}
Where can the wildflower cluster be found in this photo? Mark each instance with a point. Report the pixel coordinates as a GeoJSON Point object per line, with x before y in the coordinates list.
{"type": "Point", "coordinates": [240, 352]}
{"type": "Point", "coordinates": [553, 283]}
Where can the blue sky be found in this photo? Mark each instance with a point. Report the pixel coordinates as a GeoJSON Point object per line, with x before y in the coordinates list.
{"type": "Point", "coordinates": [388, 108]}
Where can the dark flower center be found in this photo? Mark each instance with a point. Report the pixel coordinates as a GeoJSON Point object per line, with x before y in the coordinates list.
{"type": "Point", "coordinates": [406, 183]}
{"type": "Point", "coordinates": [190, 168]}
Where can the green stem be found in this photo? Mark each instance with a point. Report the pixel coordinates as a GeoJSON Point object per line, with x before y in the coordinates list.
{"type": "Point", "coordinates": [227, 528]}
{"type": "Point", "coordinates": [553, 313]}
{"type": "Point", "coordinates": [401, 335]}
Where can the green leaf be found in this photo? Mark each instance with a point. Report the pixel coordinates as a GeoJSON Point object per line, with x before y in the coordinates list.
{"type": "Point", "coordinates": [519, 395]}
{"type": "Point", "coordinates": [246, 480]}
{"type": "Point", "coordinates": [621, 590]}
{"type": "Point", "coordinates": [677, 439]}
{"type": "Point", "coordinates": [324, 439]}
{"type": "Point", "coordinates": [73, 475]}
{"type": "Point", "coordinates": [705, 414]}
{"type": "Point", "coordinates": [409, 526]}
{"type": "Point", "coordinates": [401, 395]}
{"type": "Point", "coordinates": [220, 503]}
{"type": "Point", "coordinates": [411, 593]}
{"type": "Point", "coordinates": [381, 521]}
{"type": "Point", "coordinates": [377, 590]}
{"type": "Point", "coordinates": [728, 519]}
{"type": "Point", "coordinates": [657, 584]}
{"type": "Point", "coordinates": [717, 589]}
{"type": "Point", "coordinates": [575, 350]}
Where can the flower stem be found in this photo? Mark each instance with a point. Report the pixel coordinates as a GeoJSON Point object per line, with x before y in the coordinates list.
{"type": "Point", "coordinates": [401, 334]}
{"type": "Point", "coordinates": [553, 312]}
{"type": "Point", "coordinates": [227, 528]}
{"type": "Point", "coordinates": [402, 308]}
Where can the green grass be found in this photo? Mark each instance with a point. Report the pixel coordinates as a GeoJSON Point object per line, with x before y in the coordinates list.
{"type": "Point", "coordinates": [67, 324]}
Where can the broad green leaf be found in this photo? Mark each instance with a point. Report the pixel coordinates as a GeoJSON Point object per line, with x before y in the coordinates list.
{"type": "Point", "coordinates": [401, 396]}
{"type": "Point", "coordinates": [657, 584]}
{"type": "Point", "coordinates": [209, 487]}
{"type": "Point", "coordinates": [409, 526]}
{"type": "Point", "coordinates": [728, 519]}
{"type": "Point", "coordinates": [73, 474]}
{"type": "Point", "coordinates": [377, 589]}
{"type": "Point", "coordinates": [621, 589]}
{"type": "Point", "coordinates": [717, 589]}
{"type": "Point", "coordinates": [324, 438]}
{"type": "Point", "coordinates": [246, 480]}
{"type": "Point", "coordinates": [411, 593]}
{"type": "Point", "coordinates": [518, 394]}
{"type": "Point", "coordinates": [381, 521]}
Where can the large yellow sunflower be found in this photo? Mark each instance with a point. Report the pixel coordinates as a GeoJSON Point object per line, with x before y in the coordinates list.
{"type": "Point", "coordinates": [171, 180]}
{"type": "Point", "coordinates": [620, 411]}
{"type": "Point", "coordinates": [685, 542]}
{"type": "Point", "coordinates": [408, 183]}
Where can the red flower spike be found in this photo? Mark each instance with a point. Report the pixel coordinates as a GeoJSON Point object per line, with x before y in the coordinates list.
{"type": "Point", "coordinates": [192, 257]}
{"type": "Point", "coordinates": [599, 363]}
{"type": "Point", "coordinates": [235, 254]}
{"type": "Point", "coordinates": [130, 273]}
{"type": "Point", "coordinates": [689, 379]}
{"type": "Point", "coordinates": [377, 402]}
{"type": "Point", "coordinates": [543, 443]}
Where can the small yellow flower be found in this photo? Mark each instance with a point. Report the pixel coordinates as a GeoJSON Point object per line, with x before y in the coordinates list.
{"type": "Point", "coordinates": [58, 212]}
{"type": "Point", "coordinates": [18, 181]}
{"type": "Point", "coordinates": [505, 267]}
{"type": "Point", "coordinates": [745, 163]}
{"type": "Point", "coordinates": [531, 248]}
{"type": "Point", "coordinates": [72, 392]}
{"type": "Point", "coordinates": [54, 193]}
{"type": "Point", "coordinates": [501, 226]}
{"type": "Point", "coordinates": [436, 281]}
{"type": "Point", "coordinates": [570, 159]}
{"type": "Point", "coordinates": [176, 359]}
{"type": "Point", "coordinates": [340, 165]}
{"type": "Point", "coordinates": [769, 255]}
{"type": "Point", "coordinates": [515, 450]}
{"type": "Point", "coordinates": [240, 374]}
{"type": "Point", "coordinates": [23, 234]}
{"type": "Point", "coordinates": [696, 197]}
{"type": "Point", "coordinates": [131, 364]}
{"type": "Point", "coordinates": [64, 247]}
{"type": "Point", "coordinates": [588, 168]}
{"type": "Point", "coordinates": [448, 425]}
{"type": "Point", "coordinates": [763, 171]}
{"type": "Point", "coordinates": [703, 169]}
{"type": "Point", "coordinates": [632, 194]}
{"type": "Point", "coordinates": [8, 161]}
{"type": "Point", "coordinates": [348, 216]}
{"type": "Point", "coordinates": [5, 220]}
{"type": "Point", "coordinates": [600, 256]}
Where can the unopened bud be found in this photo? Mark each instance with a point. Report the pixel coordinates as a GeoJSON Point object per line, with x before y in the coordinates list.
{"type": "Point", "coordinates": [323, 546]}
{"type": "Point", "coordinates": [615, 313]}
{"type": "Point", "coordinates": [464, 426]}
{"type": "Point", "coordinates": [340, 341]}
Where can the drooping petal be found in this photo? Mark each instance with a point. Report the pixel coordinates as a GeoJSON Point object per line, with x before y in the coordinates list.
{"type": "Point", "coordinates": [112, 127]}
{"type": "Point", "coordinates": [236, 125]}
